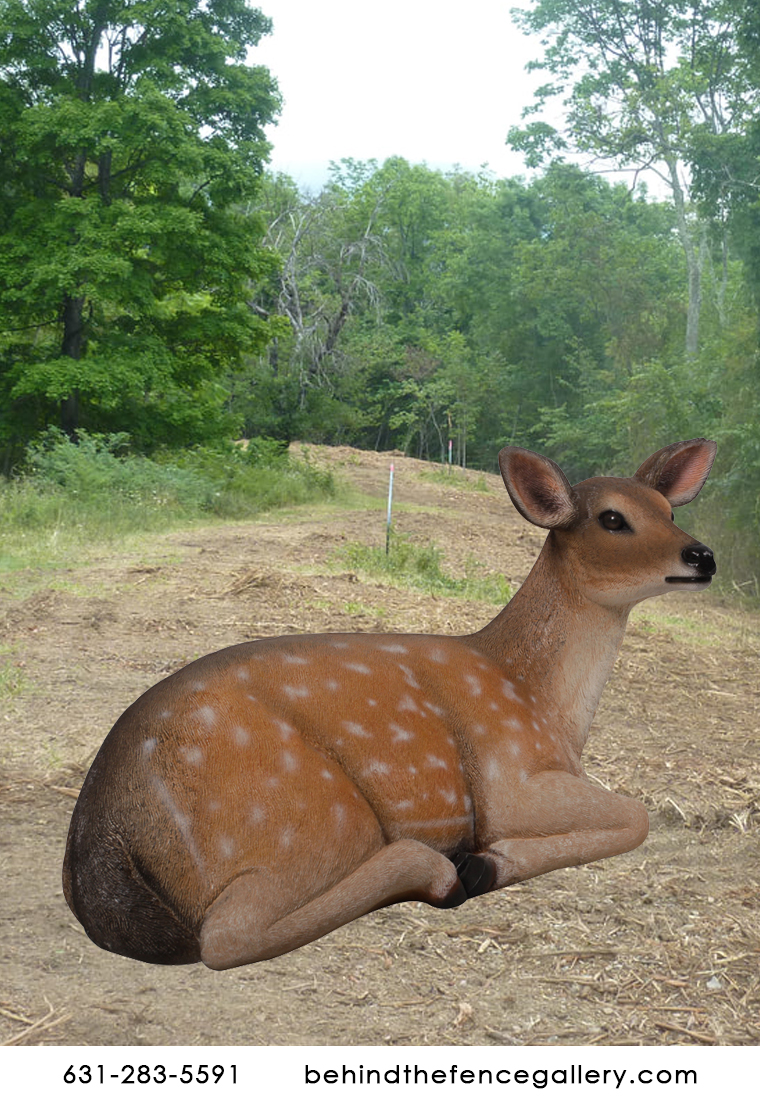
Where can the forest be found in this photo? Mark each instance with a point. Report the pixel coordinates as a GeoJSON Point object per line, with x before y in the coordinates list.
{"type": "Point", "coordinates": [161, 290]}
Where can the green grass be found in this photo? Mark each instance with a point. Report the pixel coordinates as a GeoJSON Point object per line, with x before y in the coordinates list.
{"type": "Point", "coordinates": [457, 477]}
{"type": "Point", "coordinates": [419, 566]}
{"type": "Point", "coordinates": [706, 627]}
{"type": "Point", "coordinates": [12, 679]}
{"type": "Point", "coordinates": [73, 498]}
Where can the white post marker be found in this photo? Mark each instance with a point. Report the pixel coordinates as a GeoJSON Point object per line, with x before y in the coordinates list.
{"type": "Point", "coordinates": [388, 523]}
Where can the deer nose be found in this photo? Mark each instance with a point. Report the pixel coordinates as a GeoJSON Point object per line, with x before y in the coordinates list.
{"type": "Point", "coordinates": [699, 556]}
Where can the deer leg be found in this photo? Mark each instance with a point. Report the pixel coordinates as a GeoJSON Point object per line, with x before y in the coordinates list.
{"type": "Point", "coordinates": [565, 821]}
{"type": "Point", "coordinates": [246, 923]}
{"type": "Point", "coordinates": [477, 873]}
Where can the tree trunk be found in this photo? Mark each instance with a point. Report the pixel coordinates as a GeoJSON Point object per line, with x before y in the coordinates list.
{"type": "Point", "coordinates": [72, 347]}
{"type": "Point", "coordinates": [693, 245]}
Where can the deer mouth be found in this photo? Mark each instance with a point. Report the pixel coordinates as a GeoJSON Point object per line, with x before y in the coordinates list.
{"type": "Point", "coordinates": [688, 579]}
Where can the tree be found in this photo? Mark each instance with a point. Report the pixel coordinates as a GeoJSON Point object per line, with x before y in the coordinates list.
{"type": "Point", "coordinates": [132, 134]}
{"type": "Point", "coordinates": [654, 75]}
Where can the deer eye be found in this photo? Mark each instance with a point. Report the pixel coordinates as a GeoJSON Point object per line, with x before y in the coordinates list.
{"type": "Point", "coordinates": [613, 520]}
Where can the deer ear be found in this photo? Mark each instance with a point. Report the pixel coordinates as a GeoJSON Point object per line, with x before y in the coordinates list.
{"type": "Point", "coordinates": [538, 488]}
{"type": "Point", "coordinates": [680, 470]}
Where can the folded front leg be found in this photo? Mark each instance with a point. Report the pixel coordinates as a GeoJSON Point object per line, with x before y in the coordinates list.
{"type": "Point", "coordinates": [564, 821]}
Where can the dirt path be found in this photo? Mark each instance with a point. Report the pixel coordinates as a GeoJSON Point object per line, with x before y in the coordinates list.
{"type": "Point", "coordinates": [658, 946]}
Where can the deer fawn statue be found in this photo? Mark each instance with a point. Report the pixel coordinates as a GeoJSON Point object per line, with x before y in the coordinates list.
{"type": "Point", "coordinates": [271, 792]}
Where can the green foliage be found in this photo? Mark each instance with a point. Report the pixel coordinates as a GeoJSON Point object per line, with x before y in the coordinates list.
{"type": "Point", "coordinates": [96, 490]}
{"type": "Point", "coordinates": [133, 141]}
{"type": "Point", "coordinates": [420, 566]}
{"type": "Point", "coordinates": [427, 307]}
{"type": "Point", "coordinates": [653, 76]}
{"type": "Point", "coordinates": [154, 281]}
{"type": "Point", "coordinates": [662, 88]}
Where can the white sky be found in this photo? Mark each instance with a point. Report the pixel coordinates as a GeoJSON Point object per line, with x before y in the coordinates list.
{"type": "Point", "coordinates": [431, 80]}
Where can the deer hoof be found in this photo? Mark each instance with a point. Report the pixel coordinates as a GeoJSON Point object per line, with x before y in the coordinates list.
{"type": "Point", "coordinates": [476, 873]}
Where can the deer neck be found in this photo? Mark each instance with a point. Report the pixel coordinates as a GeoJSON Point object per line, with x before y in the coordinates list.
{"type": "Point", "coordinates": [560, 645]}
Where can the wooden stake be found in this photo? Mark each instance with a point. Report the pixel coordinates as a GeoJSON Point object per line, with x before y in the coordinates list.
{"type": "Point", "coordinates": [390, 505]}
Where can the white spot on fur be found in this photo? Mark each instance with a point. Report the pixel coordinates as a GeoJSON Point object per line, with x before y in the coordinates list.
{"type": "Point", "coordinates": [295, 691]}
{"type": "Point", "coordinates": [436, 709]}
{"type": "Point", "coordinates": [192, 755]}
{"type": "Point", "coordinates": [340, 815]}
{"type": "Point", "coordinates": [439, 763]}
{"type": "Point", "coordinates": [214, 806]}
{"type": "Point", "coordinates": [436, 653]}
{"type": "Point", "coordinates": [402, 806]}
{"type": "Point", "coordinates": [408, 705]}
{"type": "Point", "coordinates": [475, 686]}
{"type": "Point", "coordinates": [286, 729]}
{"type": "Point", "coordinates": [411, 680]}
{"type": "Point", "coordinates": [493, 770]}
{"type": "Point", "coordinates": [240, 737]}
{"type": "Point", "coordinates": [479, 729]}
{"type": "Point", "coordinates": [286, 836]}
{"type": "Point", "coordinates": [242, 673]}
{"type": "Point", "coordinates": [449, 795]}
{"type": "Point", "coordinates": [197, 686]}
{"type": "Point", "coordinates": [339, 645]}
{"type": "Point", "coordinates": [149, 746]}
{"type": "Point", "coordinates": [356, 729]}
{"type": "Point", "coordinates": [332, 685]}
{"type": "Point", "coordinates": [289, 761]}
{"type": "Point", "coordinates": [412, 769]}
{"type": "Point", "coordinates": [399, 734]}
{"type": "Point", "coordinates": [377, 767]}
{"type": "Point", "coordinates": [226, 846]}
{"type": "Point", "coordinates": [513, 724]}
{"type": "Point", "coordinates": [509, 690]}
{"type": "Point", "coordinates": [272, 782]}
{"type": "Point", "coordinates": [372, 703]}
{"type": "Point", "coordinates": [182, 820]}
{"type": "Point", "coordinates": [206, 715]}
{"type": "Point", "coordinates": [328, 776]}
{"type": "Point", "coordinates": [167, 713]}
{"type": "Point", "coordinates": [358, 667]}
{"type": "Point", "coordinates": [393, 647]}
{"type": "Point", "coordinates": [257, 814]}
{"type": "Point", "coordinates": [294, 659]}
